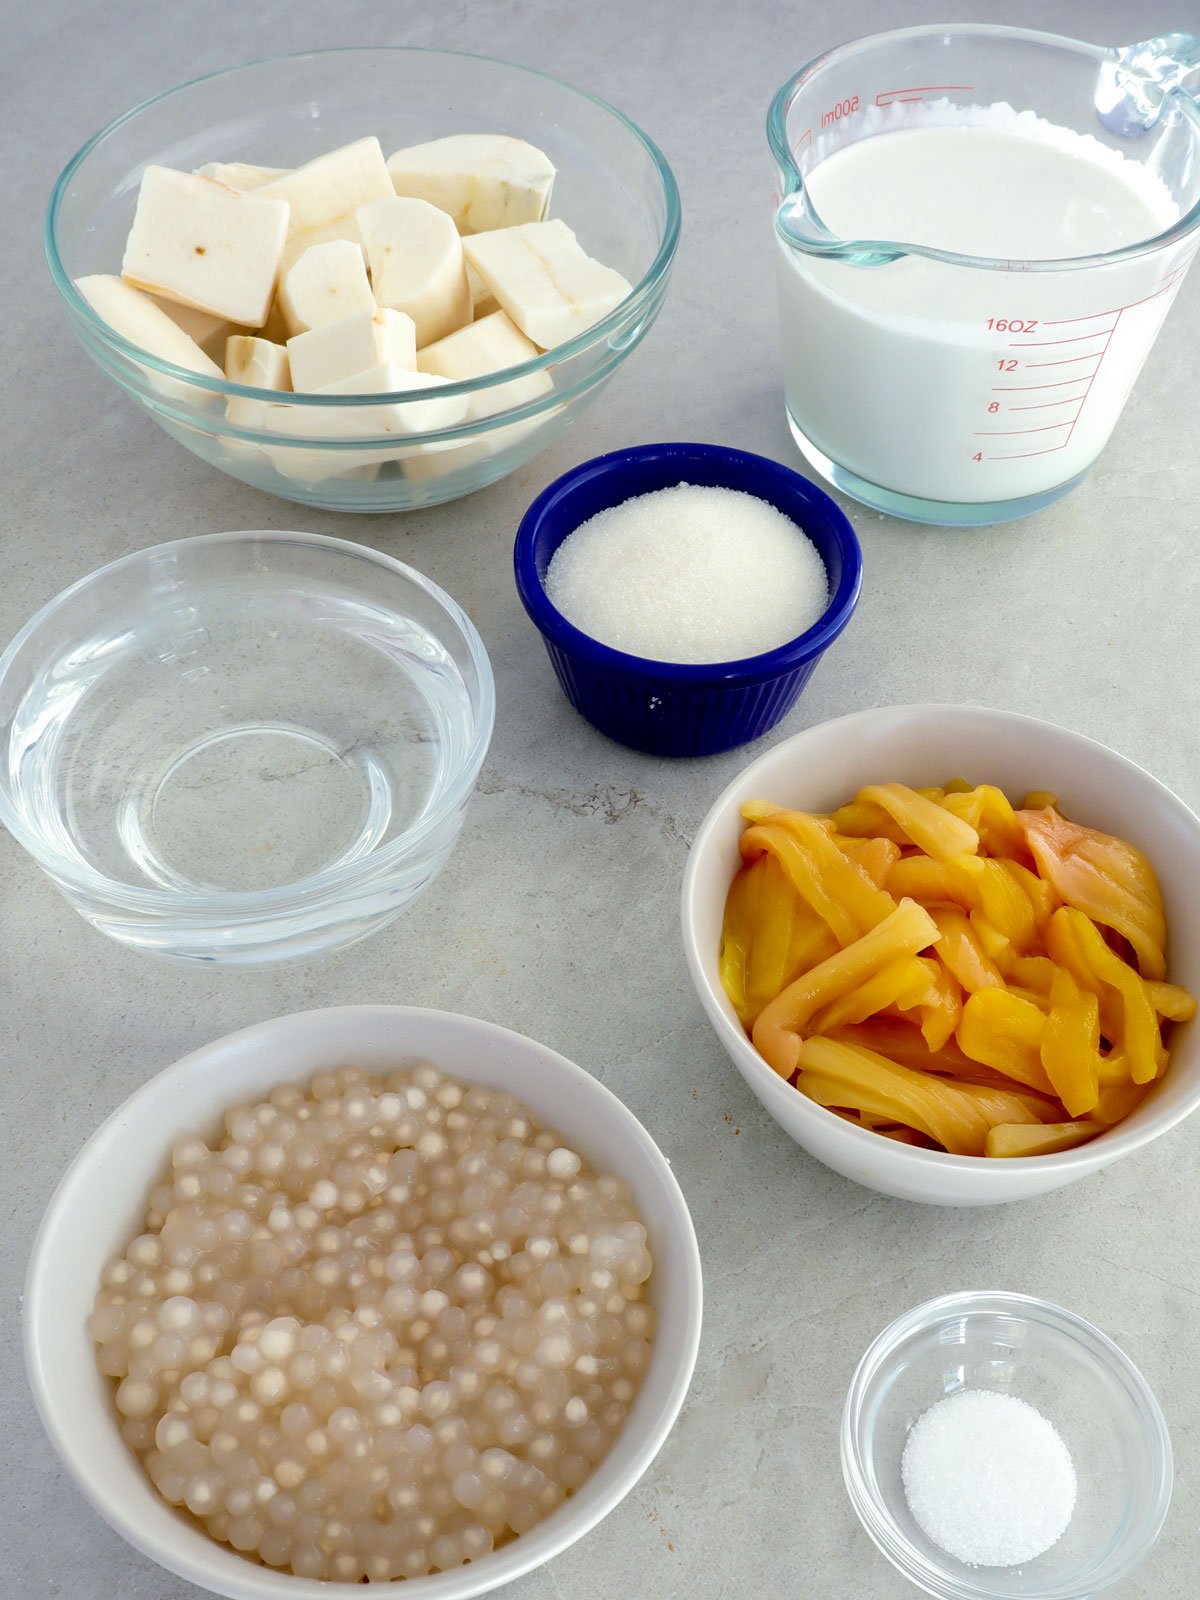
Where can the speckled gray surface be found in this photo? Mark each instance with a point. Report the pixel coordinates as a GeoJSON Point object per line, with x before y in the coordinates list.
{"type": "Point", "coordinates": [557, 915]}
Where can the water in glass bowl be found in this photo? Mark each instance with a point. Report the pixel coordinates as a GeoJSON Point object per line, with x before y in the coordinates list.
{"type": "Point", "coordinates": [244, 738]}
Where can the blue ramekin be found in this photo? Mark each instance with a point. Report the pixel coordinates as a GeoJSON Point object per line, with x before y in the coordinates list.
{"type": "Point", "coordinates": [661, 707]}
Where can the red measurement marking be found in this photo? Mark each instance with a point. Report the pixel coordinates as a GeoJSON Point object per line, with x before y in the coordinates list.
{"type": "Point", "coordinates": [1092, 379]}
{"type": "Point", "coordinates": [807, 134]}
{"type": "Point", "coordinates": [1067, 361]}
{"type": "Point", "coordinates": [1093, 316]}
{"type": "Point", "coordinates": [1020, 388]}
{"type": "Point", "coordinates": [1045, 405]}
{"type": "Point", "coordinates": [1168, 282]}
{"type": "Point", "coordinates": [1022, 455]}
{"type": "Point", "coordinates": [1040, 344]}
{"type": "Point", "coordinates": [1068, 423]}
{"type": "Point", "coordinates": [996, 433]}
{"type": "Point", "coordinates": [918, 91]}
{"type": "Point", "coordinates": [1171, 283]}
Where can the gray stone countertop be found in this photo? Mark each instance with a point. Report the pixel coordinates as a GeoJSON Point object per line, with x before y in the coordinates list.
{"type": "Point", "coordinates": [557, 915]}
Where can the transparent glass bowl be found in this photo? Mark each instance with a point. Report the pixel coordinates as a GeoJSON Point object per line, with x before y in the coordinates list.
{"type": "Point", "coordinates": [243, 747]}
{"type": "Point", "coordinates": [1055, 1361]}
{"type": "Point", "coordinates": [613, 187]}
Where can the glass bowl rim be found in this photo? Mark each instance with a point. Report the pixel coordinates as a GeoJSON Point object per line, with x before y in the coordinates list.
{"type": "Point", "coordinates": [847, 249]}
{"type": "Point", "coordinates": [877, 1521]}
{"type": "Point", "coordinates": [749, 670]}
{"type": "Point", "coordinates": [641, 293]}
{"type": "Point", "coordinates": [315, 889]}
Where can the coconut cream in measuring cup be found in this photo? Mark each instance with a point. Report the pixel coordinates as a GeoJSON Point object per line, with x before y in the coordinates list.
{"type": "Point", "coordinates": [979, 234]}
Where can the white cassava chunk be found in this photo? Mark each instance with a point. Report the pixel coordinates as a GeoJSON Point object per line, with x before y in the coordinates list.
{"type": "Point", "coordinates": [482, 180]}
{"type": "Point", "coordinates": [393, 416]}
{"type": "Point", "coordinates": [487, 346]}
{"type": "Point", "coordinates": [333, 186]}
{"type": "Point", "coordinates": [389, 419]}
{"type": "Point", "coordinates": [416, 261]}
{"type": "Point", "coordinates": [239, 174]}
{"type": "Point", "coordinates": [209, 332]}
{"type": "Point", "coordinates": [483, 301]}
{"type": "Point", "coordinates": [206, 245]}
{"type": "Point", "coordinates": [258, 364]}
{"type": "Point", "coordinates": [337, 350]}
{"type": "Point", "coordinates": [344, 228]}
{"type": "Point", "coordinates": [141, 320]}
{"type": "Point", "coordinates": [541, 275]}
{"type": "Point", "coordinates": [328, 282]}
{"type": "Point", "coordinates": [480, 349]}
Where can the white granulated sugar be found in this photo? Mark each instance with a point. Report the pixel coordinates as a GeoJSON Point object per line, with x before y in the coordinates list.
{"type": "Point", "coordinates": [689, 574]}
{"type": "Point", "coordinates": [988, 1479]}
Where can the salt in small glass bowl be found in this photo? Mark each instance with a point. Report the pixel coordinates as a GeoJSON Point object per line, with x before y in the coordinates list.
{"type": "Point", "coordinates": [243, 747]}
{"type": "Point", "coordinates": [1062, 1366]}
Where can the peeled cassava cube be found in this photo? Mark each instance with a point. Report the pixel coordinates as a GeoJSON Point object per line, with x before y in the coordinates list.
{"type": "Point", "coordinates": [481, 180]}
{"type": "Point", "coordinates": [141, 320]}
{"type": "Point", "coordinates": [337, 350]}
{"type": "Point", "coordinates": [541, 275]}
{"type": "Point", "coordinates": [328, 283]}
{"type": "Point", "coordinates": [417, 266]}
{"type": "Point", "coordinates": [332, 187]}
{"type": "Point", "coordinates": [206, 245]}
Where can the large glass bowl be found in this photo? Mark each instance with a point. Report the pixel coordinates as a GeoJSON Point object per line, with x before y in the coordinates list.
{"type": "Point", "coordinates": [243, 747]}
{"type": "Point", "coordinates": [613, 188]}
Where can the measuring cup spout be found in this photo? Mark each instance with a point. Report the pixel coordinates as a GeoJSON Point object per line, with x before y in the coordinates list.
{"type": "Point", "coordinates": [799, 224]}
{"type": "Point", "coordinates": [1135, 84]}
{"type": "Point", "coordinates": [801, 228]}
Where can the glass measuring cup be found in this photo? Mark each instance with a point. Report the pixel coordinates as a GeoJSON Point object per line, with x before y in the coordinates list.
{"type": "Point", "coordinates": [961, 389]}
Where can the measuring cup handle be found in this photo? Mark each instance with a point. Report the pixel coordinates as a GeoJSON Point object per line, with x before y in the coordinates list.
{"type": "Point", "coordinates": [1137, 79]}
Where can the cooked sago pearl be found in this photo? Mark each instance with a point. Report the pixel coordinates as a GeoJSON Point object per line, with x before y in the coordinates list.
{"type": "Point", "coordinates": [382, 1327]}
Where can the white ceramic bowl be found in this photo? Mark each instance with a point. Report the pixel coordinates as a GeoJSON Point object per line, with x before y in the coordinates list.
{"type": "Point", "coordinates": [823, 767]}
{"type": "Point", "coordinates": [99, 1203]}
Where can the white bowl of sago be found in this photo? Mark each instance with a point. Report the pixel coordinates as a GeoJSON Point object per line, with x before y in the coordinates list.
{"type": "Point", "coordinates": [363, 1295]}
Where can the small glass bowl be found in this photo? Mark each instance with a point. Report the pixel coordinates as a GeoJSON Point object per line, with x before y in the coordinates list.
{"type": "Point", "coordinates": [243, 747]}
{"type": "Point", "coordinates": [666, 708]}
{"type": "Point", "coordinates": [1070, 1372]}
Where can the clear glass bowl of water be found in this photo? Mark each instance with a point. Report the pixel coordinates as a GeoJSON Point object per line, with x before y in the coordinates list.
{"type": "Point", "coordinates": [1065, 1368]}
{"type": "Point", "coordinates": [243, 747]}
